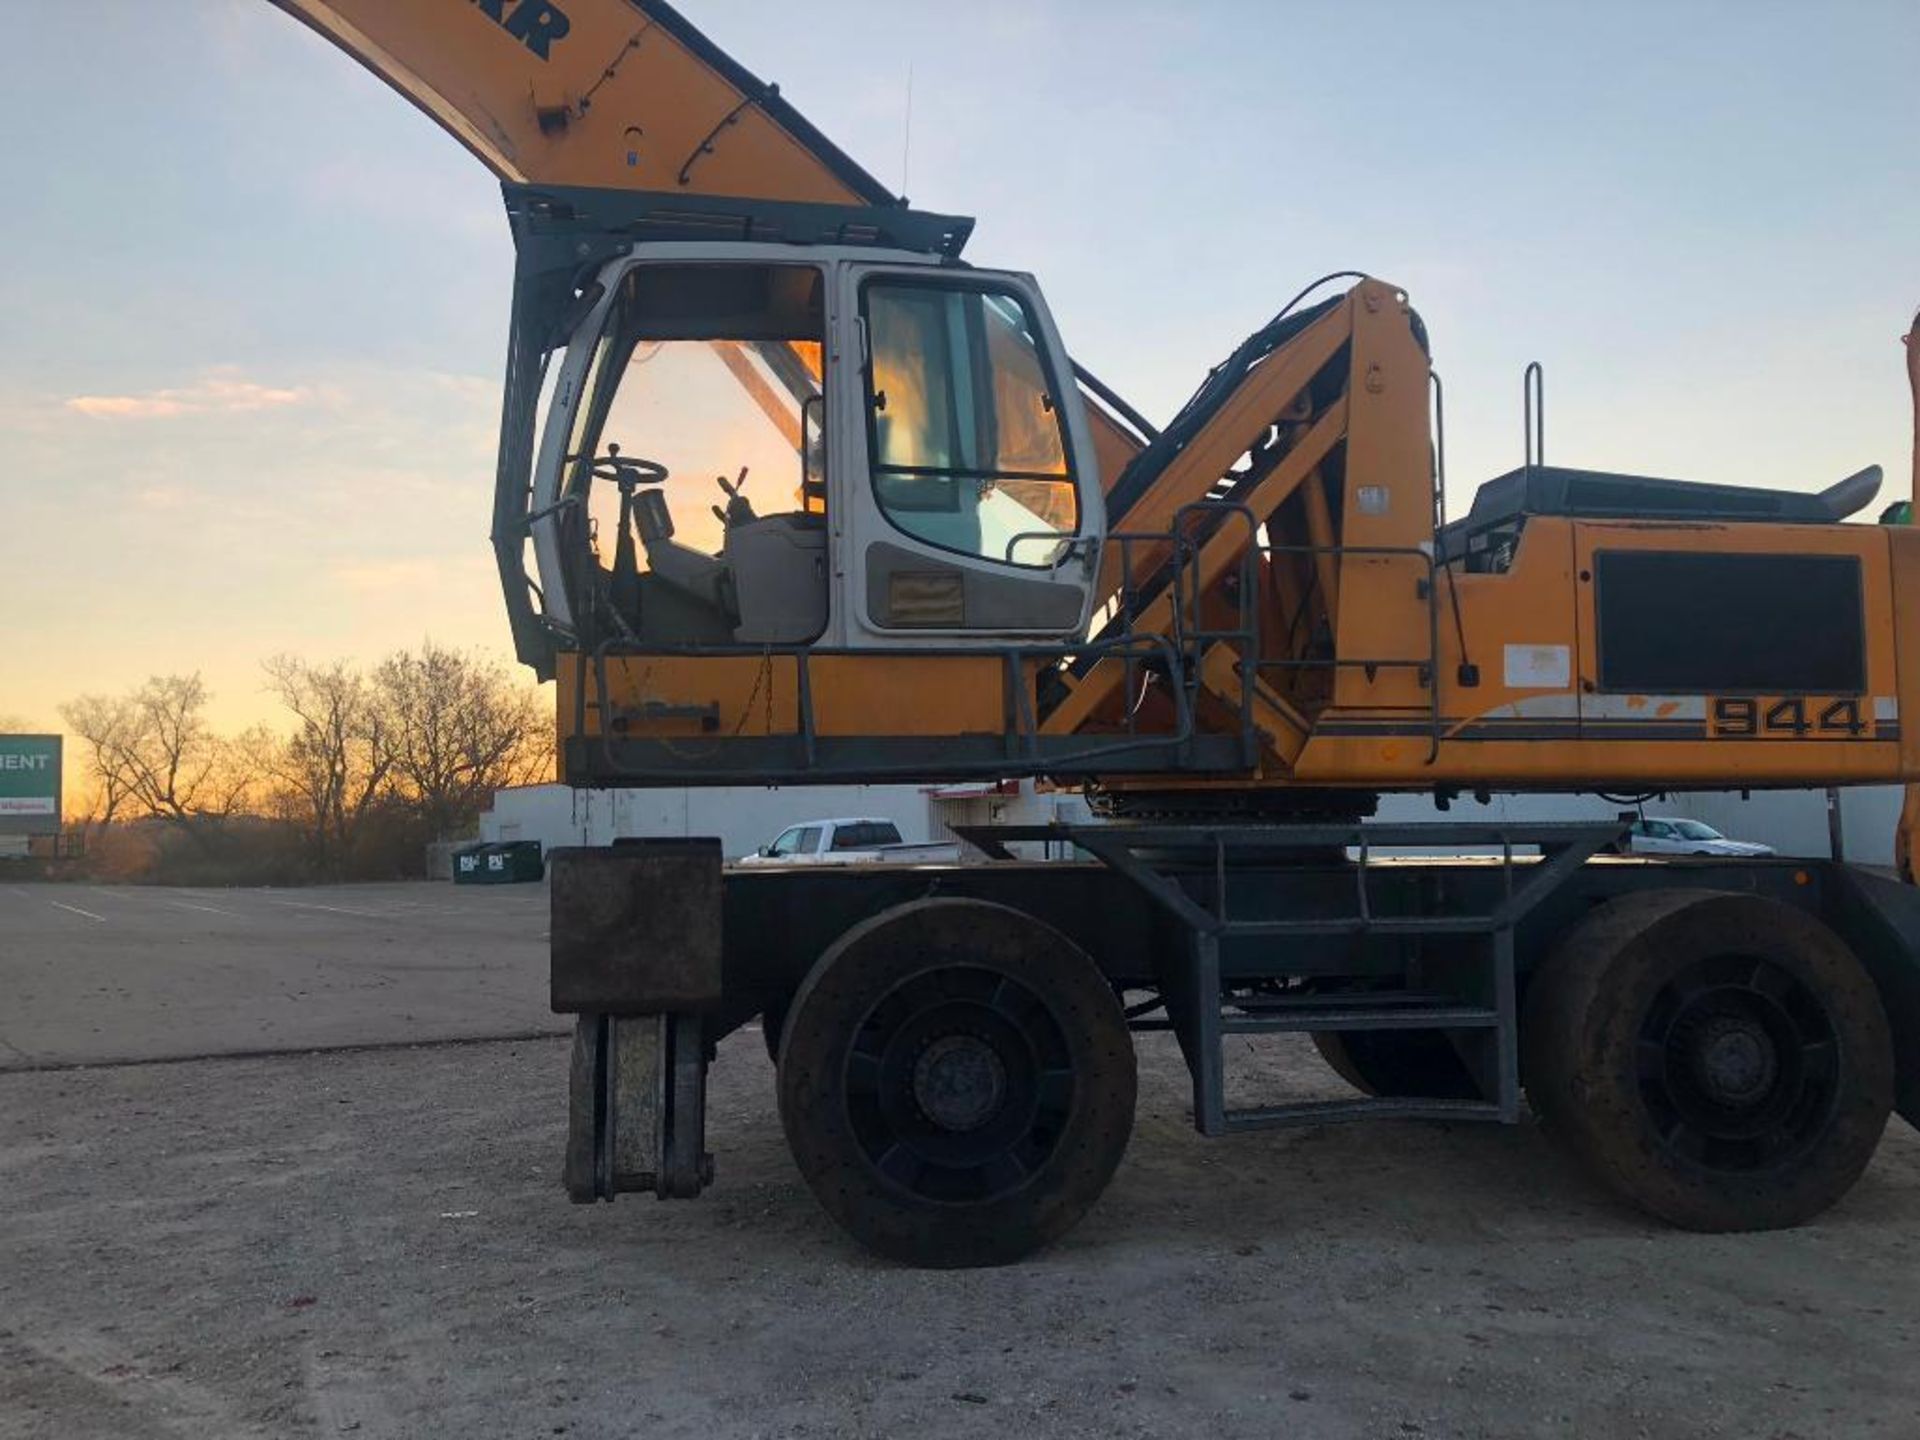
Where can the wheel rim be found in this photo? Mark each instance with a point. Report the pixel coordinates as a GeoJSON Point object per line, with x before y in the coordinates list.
{"type": "Point", "coordinates": [1738, 1064]}
{"type": "Point", "coordinates": [958, 1085]}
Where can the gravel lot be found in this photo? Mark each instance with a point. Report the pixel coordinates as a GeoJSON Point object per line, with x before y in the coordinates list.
{"type": "Point", "coordinates": [374, 1242]}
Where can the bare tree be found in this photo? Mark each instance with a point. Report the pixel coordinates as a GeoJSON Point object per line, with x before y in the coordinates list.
{"type": "Point", "coordinates": [461, 729]}
{"type": "Point", "coordinates": [104, 725]}
{"type": "Point", "coordinates": [152, 753]}
{"type": "Point", "coordinates": [375, 763]}
{"type": "Point", "coordinates": [337, 764]}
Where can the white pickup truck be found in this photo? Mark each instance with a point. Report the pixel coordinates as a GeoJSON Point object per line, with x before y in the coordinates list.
{"type": "Point", "coordinates": [848, 842]}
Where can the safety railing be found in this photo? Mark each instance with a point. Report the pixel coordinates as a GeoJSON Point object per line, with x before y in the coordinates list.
{"type": "Point", "coordinates": [1425, 666]}
{"type": "Point", "coordinates": [1246, 635]}
{"type": "Point", "coordinates": [1021, 752]}
{"type": "Point", "coordinates": [1172, 565]}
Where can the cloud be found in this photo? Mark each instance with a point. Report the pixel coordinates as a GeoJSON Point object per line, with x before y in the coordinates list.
{"type": "Point", "coordinates": [380, 577]}
{"type": "Point", "coordinates": [216, 395]}
{"type": "Point", "coordinates": [166, 497]}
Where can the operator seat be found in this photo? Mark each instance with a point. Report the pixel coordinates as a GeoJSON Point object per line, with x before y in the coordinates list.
{"type": "Point", "coordinates": [778, 565]}
{"type": "Point", "coordinates": [770, 580]}
{"type": "Point", "coordinates": [702, 577]}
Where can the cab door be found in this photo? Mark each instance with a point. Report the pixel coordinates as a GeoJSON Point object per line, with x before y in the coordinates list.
{"type": "Point", "coordinates": [970, 496]}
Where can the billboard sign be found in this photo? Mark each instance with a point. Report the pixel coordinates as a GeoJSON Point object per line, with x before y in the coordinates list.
{"type": "Point", "coordinates": [29, 784]}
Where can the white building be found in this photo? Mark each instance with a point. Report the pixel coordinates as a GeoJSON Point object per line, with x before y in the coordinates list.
{"type": "Point", "coordinates": [1794, 822]}
{"type": "Point", "coordinates": [747, 817]}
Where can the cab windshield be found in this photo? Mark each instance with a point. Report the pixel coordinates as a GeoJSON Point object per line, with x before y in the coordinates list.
{"type": "Point", "coordinates": [707, 371]}
{"type": "Point", "coordinates": [691, 489]}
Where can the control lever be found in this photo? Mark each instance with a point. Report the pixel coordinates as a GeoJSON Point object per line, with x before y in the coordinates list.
{"type": "Point", "coordinates": [739, 509]}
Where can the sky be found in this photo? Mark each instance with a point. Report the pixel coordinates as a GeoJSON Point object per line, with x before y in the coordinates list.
{"type": "Point", "coordinates": [253, 306]}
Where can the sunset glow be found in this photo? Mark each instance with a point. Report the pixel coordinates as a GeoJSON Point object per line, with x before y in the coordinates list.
{"type": "Point", "coordinates": [255, 304]}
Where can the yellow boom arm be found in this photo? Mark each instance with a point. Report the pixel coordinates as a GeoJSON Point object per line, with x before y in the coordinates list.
{"type": "Point", "coordinates": [607, 93]}
{"type": "Point", "coordinates": [616, 94]}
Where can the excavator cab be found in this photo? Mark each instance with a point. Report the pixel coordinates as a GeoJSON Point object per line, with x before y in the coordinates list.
{"type": "Point", "coordinates": [856, 447]}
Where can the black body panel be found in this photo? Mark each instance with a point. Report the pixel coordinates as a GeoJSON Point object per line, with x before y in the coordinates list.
{"type": "Point", "coordinates": [1689, 622]}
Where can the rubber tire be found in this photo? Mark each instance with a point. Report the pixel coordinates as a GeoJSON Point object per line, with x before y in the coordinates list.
{"type": "Point", "coordinates": [1581, 1019]}
{"type": "Point", "coordinates": [860, 968]}
{"type": "Point", "coordinates": [1415, 1063]}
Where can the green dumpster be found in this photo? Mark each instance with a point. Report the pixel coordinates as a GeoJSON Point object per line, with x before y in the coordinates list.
{"type": "Point", "coordinates": [469, 864]}
{"type": "Point", "coordinates": [521, 861]}
{"type": "Point", "coordinates": [511, 862]}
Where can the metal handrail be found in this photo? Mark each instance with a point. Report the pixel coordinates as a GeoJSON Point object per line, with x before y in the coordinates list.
{"type": "Point", "coordinates": [1429, 666]}
{"type": "Point", "coordinates": [1175, 654]}
{"type": "Point", "coordinates": [1022, 734]}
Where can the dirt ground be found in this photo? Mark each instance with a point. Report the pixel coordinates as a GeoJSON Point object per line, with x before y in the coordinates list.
{"type": "Point", "coordinates": [374, 1243]}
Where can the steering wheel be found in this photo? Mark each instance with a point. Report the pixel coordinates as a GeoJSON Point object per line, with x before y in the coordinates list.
{"type": "Point", "coordinates": [625, 471]}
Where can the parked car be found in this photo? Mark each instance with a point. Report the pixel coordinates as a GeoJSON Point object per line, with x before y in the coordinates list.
{"type": "Point", "coordinates": [1686, 837]}
{"type": "Point", "coordinates": [848, 842]}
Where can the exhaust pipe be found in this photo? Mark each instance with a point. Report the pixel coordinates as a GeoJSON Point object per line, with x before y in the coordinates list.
{"type": "Point", "coordinates": [1904, 840]}
{"type": "Point", "coordinates": [1912, 341]}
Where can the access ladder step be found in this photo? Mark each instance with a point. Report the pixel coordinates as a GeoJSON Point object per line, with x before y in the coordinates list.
{"type": "Point", "coordinates": [1333, 1112]}
{"type": "Point", "coordinates": [1364, 925]}
{"type": "Point", "coordinates": [1308, 1000]}
{"type": "Point", "coordinates": [1361, 1017]}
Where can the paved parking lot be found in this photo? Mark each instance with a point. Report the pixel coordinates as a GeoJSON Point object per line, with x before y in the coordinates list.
{"type": "Point", "coordinates": [121, 972]}
{"type": "Point", "coordinates": [373, 1242]}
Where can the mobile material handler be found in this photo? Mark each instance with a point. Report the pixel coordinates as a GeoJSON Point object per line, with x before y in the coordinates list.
{"type": "Point", "coordinates": [940, 550]}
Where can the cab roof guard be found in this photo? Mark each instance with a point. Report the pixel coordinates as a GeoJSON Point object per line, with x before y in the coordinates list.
{"type": "Point", "coordinates": [572, 226]}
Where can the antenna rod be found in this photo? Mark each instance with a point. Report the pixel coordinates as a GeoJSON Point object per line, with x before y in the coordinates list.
{"type": "Point", "coordinates": [906, 139]}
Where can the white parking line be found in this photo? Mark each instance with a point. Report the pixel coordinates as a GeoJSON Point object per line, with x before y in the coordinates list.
{"type": "Point", "coordinates": [210, 909]}
{"type": "Point", "coordinates": [75, 909]}
{"type": "Point", "coordinates": [334, 909]}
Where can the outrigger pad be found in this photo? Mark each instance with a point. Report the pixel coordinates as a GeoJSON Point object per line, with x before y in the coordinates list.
{"type": "Point", "coordinates": [636, 927]}
{"type": "Point", "coordinates": [636, 1108]}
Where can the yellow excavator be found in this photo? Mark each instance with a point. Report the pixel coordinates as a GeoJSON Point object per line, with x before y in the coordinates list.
{"type": "Point", "coordinates": [935, 548]}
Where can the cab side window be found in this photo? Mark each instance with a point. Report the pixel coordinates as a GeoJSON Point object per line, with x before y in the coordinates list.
{"type": "Point", "coordinates": [965, 433]}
